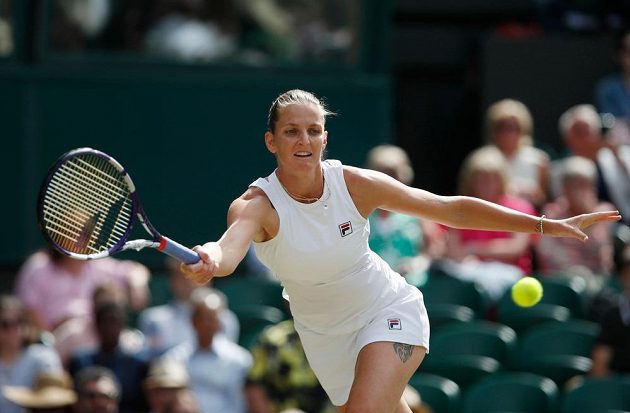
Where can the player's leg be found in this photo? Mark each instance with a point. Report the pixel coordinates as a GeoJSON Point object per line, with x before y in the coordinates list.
{"type": "Point", "coordinates": [382, 372]}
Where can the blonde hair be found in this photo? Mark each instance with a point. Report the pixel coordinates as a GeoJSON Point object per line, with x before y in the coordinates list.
{"type": "Point", "coordinates": [485, 159]}
{"type": "Point", "coordinates": [585, 112]}
{"type": "Point", "coordinates": [391, 158]}
{"type": "Point", "coordinates": [294, 97]}
{"type": "Point", "coordinates": [579, 167]}
{"type": "Point", "coordinates": [510, 108]}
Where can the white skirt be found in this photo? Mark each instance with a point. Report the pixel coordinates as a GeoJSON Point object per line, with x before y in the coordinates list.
{"type": "Point", "coordinates": [333, 357]}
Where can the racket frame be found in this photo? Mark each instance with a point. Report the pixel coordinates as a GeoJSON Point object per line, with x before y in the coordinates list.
{"type": "Point", "coordinates": [158, 241]}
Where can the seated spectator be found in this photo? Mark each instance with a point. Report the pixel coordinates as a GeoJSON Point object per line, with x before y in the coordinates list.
{"type": "Point", "coordinates": [407, 243]}
{"type": "Point", "coordinates": [494, 259]}
{"type": "Point", "coordinates": [558, 256]}
{"type": "Point", "coordinates": [98, 391]}
{"type": "Point", "coordinates": [217, 367]}
{"type": "Point", "coordinates": [612, 93]}
{"type": "Point", "coordinates": [129, 368]}
{"type": "Point", "coordinates": [510, 128]}
{"type": "Point", "coordinates": [20, 363]}
{"type": "Point", "coordinates": [580, 127]}
{"type": "Point", "coordinates": [184, 401]}
{"type": "Point", "coordinates": [55, 287]}
{"type": "Point", "coordinates": [50, 393]}
{"type": "Point", "coordinates": [168, 325]}
{"type": "Point", "coordinates": [79, 334]}
{"type": "Point", "coordinates": [610, 354]}
{"type": "Point", "coordinates": [166, 377]}
{"type": "Point", "coordinates": [193, 30]}
{"type": "Point", "coordinates": [281, 377]}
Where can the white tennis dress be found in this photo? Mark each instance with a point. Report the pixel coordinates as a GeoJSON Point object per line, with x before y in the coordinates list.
{"type": "Point", "coordinates": [343, 296]}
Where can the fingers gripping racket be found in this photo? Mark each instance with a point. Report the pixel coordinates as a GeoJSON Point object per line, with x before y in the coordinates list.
{"type": "Point", "coordinates": [88, 205]}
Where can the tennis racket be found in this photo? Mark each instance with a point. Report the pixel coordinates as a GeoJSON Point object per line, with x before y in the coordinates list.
{"type": "Point", "coordinates": [88, 205]}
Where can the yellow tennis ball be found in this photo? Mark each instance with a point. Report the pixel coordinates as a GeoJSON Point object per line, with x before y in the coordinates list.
{"type": "Point", "coordinates": [527, 292]}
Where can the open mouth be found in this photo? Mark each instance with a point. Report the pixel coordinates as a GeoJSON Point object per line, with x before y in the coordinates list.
{"type": "Point", "coordinates": [303, 154]}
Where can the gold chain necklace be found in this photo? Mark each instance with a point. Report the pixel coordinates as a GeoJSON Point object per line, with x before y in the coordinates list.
{"type": "Point", "coordinates": [308, 199]}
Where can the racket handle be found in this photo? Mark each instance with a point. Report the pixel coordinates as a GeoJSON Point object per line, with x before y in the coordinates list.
{"type": "Point", "coordinates": [178, 251]}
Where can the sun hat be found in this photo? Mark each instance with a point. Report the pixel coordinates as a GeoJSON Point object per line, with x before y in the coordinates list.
{"type": "Point", "coordinates": [166, 373]}
{"type": "Point", "coordinates": [51, 390]}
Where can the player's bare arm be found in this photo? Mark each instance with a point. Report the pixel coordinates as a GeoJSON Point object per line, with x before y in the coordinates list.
{"type": "Point", "coordinates": [371, 189]}
{"type": "Point", "coordinates": [250, 218]}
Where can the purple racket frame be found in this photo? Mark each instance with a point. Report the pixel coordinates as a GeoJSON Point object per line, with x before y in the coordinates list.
{"type": "Point", "coordinates": [159, 242]}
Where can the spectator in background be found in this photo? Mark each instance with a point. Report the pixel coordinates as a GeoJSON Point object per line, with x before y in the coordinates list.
{"type": "Point", "coordinates": [610, 354]}
{"type": "Point", "coordinates": [510, 127]}
{"type": "Point", "coordinates": [20, 363]}
{"type": "Point", "coordinates": [184, 401]}
{"type": "Point", "coordinates": [80, 335]}
{"type": "Point", "coordinates": [166, 377]}
{"type": "Point", "coordinates": [168, 325]}
{"type": "Point", "coordinates": [55, 287]}
{"type": "Point", "coordinates": [217, 367]}
{"type": "Point", "coordinates": [129, 368]}
{"type": "Point", "coordinates": [580, 128]}
{"type": "Point", "coordinates": [6, 29]}
{"type": "Point", "coordinates": [612, 93]}
{"type": "Point", "coordinates": [494, 259]}
{"type": "Point", "coordinates": [407, 243]}
{"type": "Point", "coordinates": [281, 377]}
{"type": "Point", "coordinates": [98, 391]}
{"type": "Point", "coordinates": [303, 30]}
{"type": "Point", "coordinates": [593, 259]}
{"type": "Point", "coordinates": [50, 393]}
{"type": "Point", "coordinates": [193, 30]}
{"type": "Point", "coordinates": [76, 23]}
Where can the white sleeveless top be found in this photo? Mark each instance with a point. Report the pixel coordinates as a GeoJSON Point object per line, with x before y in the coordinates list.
{"type": "Point", "coordinates": [334, 282]}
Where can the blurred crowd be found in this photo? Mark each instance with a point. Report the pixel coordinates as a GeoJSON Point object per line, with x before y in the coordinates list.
{"type": "Point", "coordinates": [251, 32]}
{"type": "Point", "coordinates": [83, 336]}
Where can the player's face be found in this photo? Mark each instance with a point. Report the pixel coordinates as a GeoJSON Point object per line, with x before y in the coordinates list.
{"type": "Point", "coordinates": [299, 138]}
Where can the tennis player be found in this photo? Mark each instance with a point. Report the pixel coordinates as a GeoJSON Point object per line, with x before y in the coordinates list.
{"type": "Point", "coordinates": [364, 329]}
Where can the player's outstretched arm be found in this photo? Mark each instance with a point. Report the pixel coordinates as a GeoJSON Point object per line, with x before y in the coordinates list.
{"type": "Point", "coordinates": [245, 223]}
{"type": "Point", "coordinates": [371, 190]}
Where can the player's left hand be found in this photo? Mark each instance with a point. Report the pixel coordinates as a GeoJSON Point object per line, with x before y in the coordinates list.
{"type": "Point", "coordinates": [574, 227]}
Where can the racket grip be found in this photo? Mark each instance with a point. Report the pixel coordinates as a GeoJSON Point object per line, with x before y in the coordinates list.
{"type": "Point", "coordinates": [178, 251]}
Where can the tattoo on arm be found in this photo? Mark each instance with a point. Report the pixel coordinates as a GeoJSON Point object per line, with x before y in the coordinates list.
{"type": "Point", "coordinates": [404, 351]}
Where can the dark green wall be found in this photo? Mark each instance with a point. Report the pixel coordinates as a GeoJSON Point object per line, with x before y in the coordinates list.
{"type": "Point", "coordinates": [192, 139]}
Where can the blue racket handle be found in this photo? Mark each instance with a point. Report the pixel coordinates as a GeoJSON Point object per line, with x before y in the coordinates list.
{"type": "Point", "coordinates": [178, 251]}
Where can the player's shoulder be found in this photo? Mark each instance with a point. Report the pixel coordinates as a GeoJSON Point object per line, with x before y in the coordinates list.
{"type": "Point", "coordinates": [253, 203]}
{"type": "Point", "coordinates": [254, 197]}
{"type": "Point", "coordinates": [362, 177]}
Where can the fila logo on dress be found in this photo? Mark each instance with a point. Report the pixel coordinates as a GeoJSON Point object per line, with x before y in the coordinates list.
{"type": "Point", "coordinates": [345, 228]}
{"type": "Point", "coordinates": [394, 324]}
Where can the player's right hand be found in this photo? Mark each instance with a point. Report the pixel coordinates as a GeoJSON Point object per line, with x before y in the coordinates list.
{"type": "Point", "coordinates": [203, 270]}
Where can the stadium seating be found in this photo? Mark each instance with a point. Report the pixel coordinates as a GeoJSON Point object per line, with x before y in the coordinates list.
{"type": "Point", "coordinates": [467, 352]}
{"type": "Point", "coordinates": [439, 393]}
{"type": "Point", "coordinates": [558, 350]}
{"type": "Point", "coordinates": [512, 392]}
{"type": "Point", "coordinates": [444, 290]}
{"type": "Point", "coordinates": [253, 319]}
{"type": "Point", "coordinates": [246, 290]}
{"type": "Point", "coordinates": [563, 299]}
{"type": "Point", "coordinates": [611, 395]}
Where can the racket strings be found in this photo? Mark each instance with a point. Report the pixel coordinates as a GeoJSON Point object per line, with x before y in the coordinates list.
{"type": "Point", "coordinates": [87, 205]}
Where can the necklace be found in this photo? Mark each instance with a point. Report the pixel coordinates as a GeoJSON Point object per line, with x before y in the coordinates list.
{"type": "Point", "coordinates": [306, 199]}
